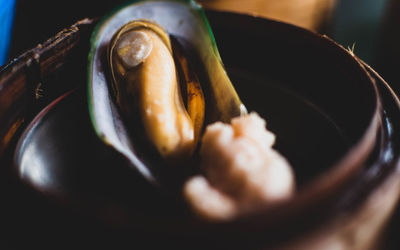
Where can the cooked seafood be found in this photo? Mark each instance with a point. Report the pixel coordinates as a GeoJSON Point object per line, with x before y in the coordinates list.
{"type": "Point", "coordinates": [145, 79]}
{"type": "Point", "coordinates": [241, 170]}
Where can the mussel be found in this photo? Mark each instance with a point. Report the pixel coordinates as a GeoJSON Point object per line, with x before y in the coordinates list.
{"type": "Point", "coordinates": [146, 81]}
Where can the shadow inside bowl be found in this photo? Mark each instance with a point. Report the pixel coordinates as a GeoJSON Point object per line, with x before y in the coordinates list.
{"type": "Point", "coordinates": [60, 155]}
{"type": "Point", "coordinates": [315, 97]}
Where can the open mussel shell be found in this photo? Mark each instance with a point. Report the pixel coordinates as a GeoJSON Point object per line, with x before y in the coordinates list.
{"type": "Point", "coordinates": [185, 21]}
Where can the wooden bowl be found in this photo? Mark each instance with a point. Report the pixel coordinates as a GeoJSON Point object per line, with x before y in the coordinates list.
{"type": "Point", "coordinates": [335, 120]}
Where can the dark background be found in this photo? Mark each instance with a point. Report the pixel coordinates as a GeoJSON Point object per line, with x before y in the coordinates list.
{"type": "Point", "coordinates": [371, 25]}
{"type": "Point", "coordinates": [36, 21]}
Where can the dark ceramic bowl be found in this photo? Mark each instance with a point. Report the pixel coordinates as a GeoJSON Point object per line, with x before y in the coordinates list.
{"type": "Point", "coordinates": [334, 117]}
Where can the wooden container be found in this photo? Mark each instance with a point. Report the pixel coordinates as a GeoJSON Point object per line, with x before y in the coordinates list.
{"type": "Point", "coordinates": [342, 208]}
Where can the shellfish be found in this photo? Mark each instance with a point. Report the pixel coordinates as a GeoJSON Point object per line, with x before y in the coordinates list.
{"type": "Point", "coordinates": [150, 23]}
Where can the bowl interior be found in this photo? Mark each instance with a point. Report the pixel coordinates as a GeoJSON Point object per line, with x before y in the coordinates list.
{"type": "Point", "coordinates": [315, 98]}
{"type": "Point", "coordinates": [313, 95]}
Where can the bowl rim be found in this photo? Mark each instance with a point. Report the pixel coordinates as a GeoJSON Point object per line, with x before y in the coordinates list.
{"type": "Point", "coordinates": [337, 175]}
{"type": "Point", "coordinates": [341, 172]}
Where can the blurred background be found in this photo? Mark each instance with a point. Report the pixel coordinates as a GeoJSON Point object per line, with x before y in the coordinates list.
{"type": "Point", "coordinates": [368, 26]}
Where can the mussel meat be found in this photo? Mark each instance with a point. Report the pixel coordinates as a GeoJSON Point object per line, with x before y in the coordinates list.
{"type": "Point", "coordinates": [146, 81]}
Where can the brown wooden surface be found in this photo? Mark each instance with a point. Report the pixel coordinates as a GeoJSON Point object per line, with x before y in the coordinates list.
{"type": "Point", "coordinates": [310, 14]}
{"type": "Point", "coordinates": [21, 81]}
